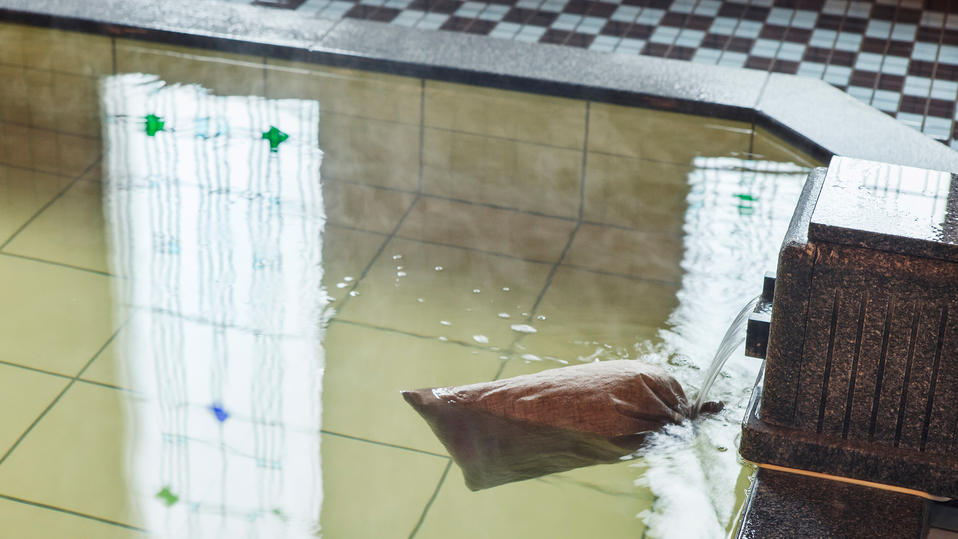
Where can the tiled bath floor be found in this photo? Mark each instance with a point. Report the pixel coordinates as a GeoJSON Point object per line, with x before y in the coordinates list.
{"type": "Point", "coordinates": [447, 210]}
{"type": "Point", "coordinates": [900, 56]}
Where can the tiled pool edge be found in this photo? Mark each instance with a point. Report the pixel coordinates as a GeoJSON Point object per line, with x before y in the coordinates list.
{"type": "Point", "coordinates": [808, 113]}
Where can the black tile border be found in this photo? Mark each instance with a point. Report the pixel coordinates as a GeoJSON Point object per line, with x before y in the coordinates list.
{"type": "Point", "coordinates": [808, 113]}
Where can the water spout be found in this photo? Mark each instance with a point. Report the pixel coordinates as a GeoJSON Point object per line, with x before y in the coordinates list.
{"type": "Point", "coordinates": [734, 337]}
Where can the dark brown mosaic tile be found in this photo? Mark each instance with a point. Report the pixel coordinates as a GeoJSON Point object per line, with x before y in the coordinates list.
{"type": "Point", "coordinates": [615, 28]}
{"type": "Point", "coordinates": [949, 37]}
{"type": "Point", "coordinates": [640, 31]}
{"type": "Point", "coordinates": [580, 40]}
{"type": "Point", "coordinates": [892, 83]}
{"type": "Point", "coordinates": [853, 25]}
{"type": "Point", "coordinates": [681, 53]}
{"type": "Point", "coordinates": [798, 35]}
{"type": "Point", "coordinates": [944, 72]}
{"type": "Point", "coordinates": [655, 49]}
{"type": "Point", "coordinates": [602, 9]}
{"type": "Point", "coordinates": [542, 18]}
{"type": "Point", "coordinates": [756, 13]}
{"type": "Point", "coordinates": [555, 36]}
{"type": "Point", "coordinates": [816, 54]}
{"type": "Point", "coordinates": [659, 4]}
{"type": "Point", "coordinates": [928, 35]}
{"type": "Point", "coordinates": [776, 33]}
{"type": "Point", "coordinates": [883, 13]}
{"type": "Point", "coordinates": [674, 19]}
{"type": "Point", "coordinates": [913, 104]}
{"type": "Point", "coordinates": [518, 15]}
{"type": "Point", "coordinates": [784, 66]}
{"type": "Point", "coordinates": [372, 13]}
{"type": "Point", "coordinates": [918, 68]}
{"type": "Point", "coordinates": [865, 79]}
{"type": "Point", "coordinates": [740, 44]}
{"type": "Point", "coordinates": [577, 7]}
{"type": "Point", "coordinates": [715, 41]}
{"type": "Point", "coordinates": [907, 15]}
{"type": "Point", "coordinates": [876, 46]}
{"type": "Point", "coordinates": [731, 10]}
{"type": "Point", "coordinates": [900, 48]}
{"type": "Point", "coordinates": [756, 62]}
{"type": "Point", "coordinates": [829, 22]}
{"type": "Point", "coordinates": [940, 108]}
{"type": "Point", "coordinates": [843, 58]}
{"type": "Point", "coordinates": [699, 22]}
{"type": "Point", "coordinates": [447, 7]}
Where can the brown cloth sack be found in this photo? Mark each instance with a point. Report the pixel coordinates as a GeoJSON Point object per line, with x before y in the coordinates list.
{"type": "Point", "coordinates": [552, 421]}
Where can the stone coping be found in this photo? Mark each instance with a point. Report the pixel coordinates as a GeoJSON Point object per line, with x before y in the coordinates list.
{"type": "Point", "coordinates": [807, 113]}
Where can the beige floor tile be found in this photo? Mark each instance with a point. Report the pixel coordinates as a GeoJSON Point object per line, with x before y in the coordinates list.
{"type": "Point", "coordinates": [346, 253]}
{"type": "Point", "coordinates": [488, 229]}
{"type": "Point", "coordinates": [768, 147]}
{"type": "Point", "coordinates": [502, 172]}
{"type": "Point", "coordinates": [22, 194]}
{"type": "Point", "coordinates": [499, 113]}
{"type": "Point", "coordinates": [363, 206]}
{"type": "Point", "coordinates": [347, 91]}
{"type": "Point", "coordinates": [367, 151]}
{"type": "Point", "coordinates": [367, 368]}
{"type": "Point", "coordinates": [535, 508]}
{"type": "Point", "coordinates": [74, 458]}
{"type": "Point", "coordinates": [374, 491]}
{"type": "Point", "coordinates": [220, 72]}
{"type": "Point", "coordinates": [645, 255]}
{"type": "Point", "coordinates": [68, 52]}
{"type": "Point", "coordinates": [389, 297]}
{"type": "Point", "coordinates": [586, 311]}
{"type": "Point", "coordinates": [47, 151]}
{"type": "Point", "coordinates": [71, 231]}
{"type": "Point", "coordinates": [633, 193]}
{"type": "Point", "coordinates": [51, 100]}
{"type": "Point", "coordinates": [55, 318]}
{"type": "Point", "coordinates": [106, 369]}
{"type": "Point", "coordinates": [664, 136]}
{"type": "Point", "coordinates": [24, 394]}
{"type": "Point", "coordinates": [23, 521]}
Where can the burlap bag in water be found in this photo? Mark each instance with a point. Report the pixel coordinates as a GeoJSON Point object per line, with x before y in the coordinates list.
{"type": "Point", "coordinates": [552, 421]}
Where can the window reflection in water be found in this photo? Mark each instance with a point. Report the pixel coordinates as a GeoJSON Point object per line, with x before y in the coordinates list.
{"type": "Point", "coordinates": [219, 240]}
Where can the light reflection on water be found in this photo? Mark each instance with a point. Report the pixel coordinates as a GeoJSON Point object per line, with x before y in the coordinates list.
{"type": "Point", "coordinates": [219, 241]}
{"type": "Point", "coordinates": [738, 214]}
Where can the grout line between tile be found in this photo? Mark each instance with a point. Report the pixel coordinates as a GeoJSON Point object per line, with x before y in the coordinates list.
{"type": "Point", "coordinates": [435, 494]}
{"type": "Point", "coordinates": [72, 513]}
{"type": "Point", "coordinates": [415, 335]}
{"type": "Point", "coordinates": [384, 444]}
{"type": "Point", "coordinates": [472, 250]}
{"type": "Point", "coordinates": [60, 264]}
{"type": "Point", "coordinates": [49, 130]}
{"type": "Point", "coordinates": [73, 379]}
{"type": "Point", "coordinates": [585, 156]}
{"type": "Point", "coordinates": [33, 369]}
{"type": "Point", "coordinates": [52, 201]}
{"type": "Point", "coordinates": [422, 128]}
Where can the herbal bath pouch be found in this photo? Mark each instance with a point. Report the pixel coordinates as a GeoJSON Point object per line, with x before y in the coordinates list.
{"type": "Point", "coordinates": [556, 420]}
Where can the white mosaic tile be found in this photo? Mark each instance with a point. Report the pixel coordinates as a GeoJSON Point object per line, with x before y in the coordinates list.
{"type": "Point", "coordinates": [837, 75]}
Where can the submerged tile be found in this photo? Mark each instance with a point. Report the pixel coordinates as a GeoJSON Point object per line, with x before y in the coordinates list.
{"type": "Point", "coordinates": [56, 318]}
{"type": "Point", "coordinates": [366, 369]}
{"type": "Point", "coordinates": [664, 136]}
{"type": "Point", "coordinates": [25, 520]}
{"type": "Point", "coordinates": [221, 73]}
{"type": "Point", "coordinates": [24, 395]}
{"type": "Point", "coordinates": [644, 255]}
{"type": "Point", "coordinates": [639, 194]}
{"type": "Point", "coordinates": [589, 315]}
{"type": "Point", "coordinates": [47, 151]}
{"type": "Point", "coordinates": [71, 231]}
{"type": "Point", "coordinates": [52, 100]}
{"type": "Point", "coordinates": [346, 253]}
{"type": "Point", "coordinates": [74, 458]}
{"type": "Point", "coordinates": [347, 91]}
{"type": "Point", "coordinates": [22, 194]}
{"type": "Point", "coordinates": [44, 49]}
{"type": "Point", "coordinates": [373, 152]}
{"type": "Point", "coordinates": [483, 228]}
{"type": "Point", "coordinates": [414, 287]}
{"type": "Point", "coordinates": [499, 113]}
{"type": "Point", "coordinates": [768, 147]}
{"type": "Point", "coordinates": [364, 206]}
{"type": "Point", "coordinates": [536, 508]}
{"type": "Point", "coordinates": [501, 172]}
{"type": "Point", "coordinates": [361, 481]}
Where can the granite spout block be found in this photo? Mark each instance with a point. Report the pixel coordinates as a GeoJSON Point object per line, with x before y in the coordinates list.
{"type": "Point", "coordinates": [861, 375]}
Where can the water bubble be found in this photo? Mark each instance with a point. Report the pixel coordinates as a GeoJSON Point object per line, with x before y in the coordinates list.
{"type": "Point", "coordinates": [525, 314]}
{"type": "Point", "coordinates": [503, 357]}
{"type": "Point", "coordinates": [523, 328]}
{"type": "Point", "coordinates": [348, 279]}
{"type": "Point", "coordinates": [443, 339]}
{"type": "Point", "coordinates": [505, 289]}
{"type": "Point", "coordinates": [475, 352]}
{"type": "Point", "coordinates": [341, 285]}
{"type": "Point", "coordinates": [503, 315]}
{"type": "Point", "coordinates": [530, 357]}
{"type": "Point", "coordinates": [481, 339]}
{"type": "Point", "coordinates": [420, 300]}
{"type": "Point", "coordinates": [445, 322]}
{"type": "Point", "coordinates": [399, 267]}
{"type": "Point", "coordinates": [438, 268]}
{"type": "Point", "coordinates": [354, 293]}
{"type": "Point", "coordinates": [476, 291]}
{"type": "Point", "coordinates": [397, 257]}
{"type": "Point", "coordinates": [540, 317]}
{"type": "Point", "coordinates": [721, 448]}
{"type": "Point", "coordinates": [400, 273]}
